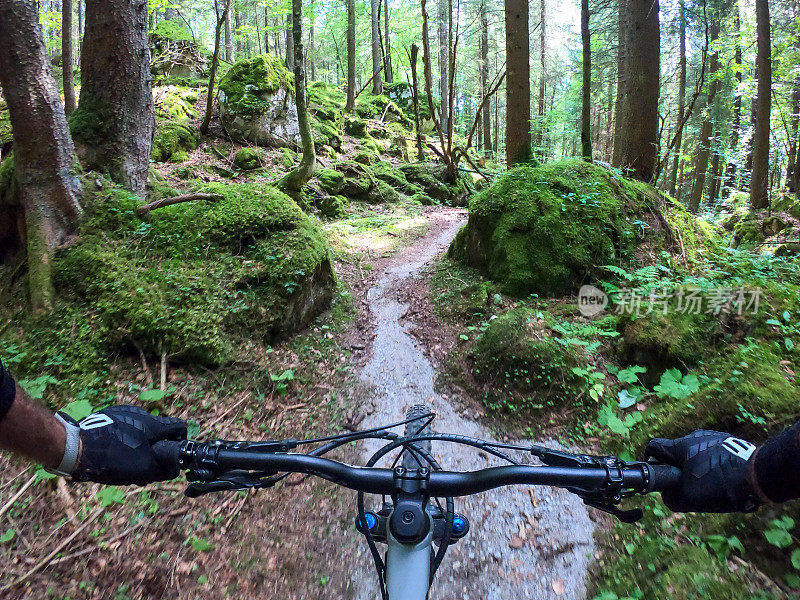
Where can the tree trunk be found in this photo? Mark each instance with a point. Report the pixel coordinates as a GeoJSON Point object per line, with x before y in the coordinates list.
{"type": "Point", "coordinates": [296, 179]}
{"type": "Point", "coordinates": [415, 91]}
{"type": "Point", "coordinates": [289, 43]}
{"type": "Point", "coordinates": [795, 126]}
{"type": "Point", "coordinates": [707, 128]}
{"type": "Point", "coordinates": [49, 190]}
{"type": "Point", "coordinates": [389, 72]}
{"type": "Point", "coordinates": [66, 57]}
{"type": "Point", "coordinates": [312, 71]}
{"type": "Point", "coordinates": [487, 111]}
{"type": "Point", "coordinates": [114, 123]}
{"type": "Point", "coordinates": [736, 127]}
{"type": "Point", "coordinates": [377, 81]}
{"type": "Point", "coordinates": [237, 23]}
{"type": "Point", "coordinates": [351, 55]}
{"type": "Point", "coordinates": [518, 83]}
{"type": "Point", "coordinates": [636, 131]}
{"type": "Point", "coordinates": [586, 104]}
{"type": "Point", "coordinates": [539, 142]}
{"type": "Point", "coordinates": [759, 182]}
{"type": "Point", "coordinates": [444, 51]}
{"type": "Point", "coordinates": [714, 184]}
{"type": "Point", "coordinates": [673, 182]}
{"type": "Point", "coordinates": [212, 74]}
{"type": "Point", "coordinates": [229, 56]}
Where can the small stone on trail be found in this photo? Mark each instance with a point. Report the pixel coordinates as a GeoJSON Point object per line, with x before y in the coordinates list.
{"type": "Point", "coordinates": [558, 586]}
{"type": "Point", "coordinates": [516, 542]}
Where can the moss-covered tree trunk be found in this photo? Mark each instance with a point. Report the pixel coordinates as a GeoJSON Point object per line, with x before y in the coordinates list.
{"type": "Point", "coordinates": [49, 190]}
{"type": "Point", "coordinates": [114, 124]}
{"type": "Point", "coordinates": [296, 179]}
{"type": "Point", "coordinates": [759, 180]}
{"type": "Point", "coordinates": [377, 81]}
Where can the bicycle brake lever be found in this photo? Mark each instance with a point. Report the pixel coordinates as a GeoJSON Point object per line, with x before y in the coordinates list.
{"type": "Point", "coordinates": [626, 516]}
{"type": "Point", "coordinates": [231, 481]}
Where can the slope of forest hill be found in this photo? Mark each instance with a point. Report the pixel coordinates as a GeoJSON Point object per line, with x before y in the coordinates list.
{"type": "Point", "coordinates": [641, 368]}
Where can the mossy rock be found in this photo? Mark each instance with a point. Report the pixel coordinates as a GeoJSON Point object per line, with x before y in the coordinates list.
{"type": "Point", "coordinates": [381, 192]}
{"type": "Point", "coordinates": [429, 178]}
{"type": "Point", "coordinates": [248, 159]}
{"type": "Point", "coordinates": [172, 29]}
{"type": "Point", "coordinates": [518, 351]}
{"type": "Point", "coordinates": [197, 277]}
{"type": "Point", "coordinates": [370, 145]}
{"type": "Point", "coordinates": [175, 103]}
{"type": "Point", "coordinates": [6, 135]}
{"type": "Point", "coordinates": [748, 232]}
{"type": "Point", "coordinates": [333, 207]}
{"type": "Point", "coordinates": [395, 177]}
{"type": "Point", "coordinates": [256, 102]}
{"type": "Point", "coordinates": [326, 134]}
{"type": "Point", "coordinates": [365, 157]}
{"type": "Point", "coordinates": [355, 127]}
{"type": "Point", "coordinates": [330, 181]}
{"type": "Point", "coordinates": [544, 229]}
{"type": "Point", "coordinates": [173, 142]}
{"type": "Point", "coordinates": [402, 94]}
{"type": "Point", "coordinates": [423, 199]}
{"type": "Point", "coordinates": [325, 101]}
{"type": "Point", "coordinates": [288, 158]}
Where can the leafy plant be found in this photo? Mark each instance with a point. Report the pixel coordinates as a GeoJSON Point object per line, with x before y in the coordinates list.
{"type": "Point", "coordinates": [78, 409]}
{"type": "Point", "coordinates": [7, 536]}
{"type": "Point", "coordinates": [631, 374]}
{"type": "Point", "coordinates": [200, 544]}
{"type": "Point", "coordinates": [35, 388]}
{"type": "Point", "coordinates": [724, 545]}
{"type": "Point", "coordinates": [110, 495]}
{"type": "Point", "coordinates": [677, 386]}
{"type": "Point", "coordinates": [778, 533]}
{"type": "Point", "coordinates": [608, 418]}
{"type": "Point", "coordinates": [282, 381]}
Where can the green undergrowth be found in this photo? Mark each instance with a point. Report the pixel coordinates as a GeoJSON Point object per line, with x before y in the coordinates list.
{"type": "Point", "coordinates": [173, 142]}
{"type": "Point", "coordinates": [192, 280]}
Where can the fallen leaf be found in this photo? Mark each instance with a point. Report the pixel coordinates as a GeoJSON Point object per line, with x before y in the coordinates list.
{"type": "Point", "coordinates": [533, 497]}
{"type": "Point", "coordinates": [516, 542]}
{"type": "Point", "coordinates": [641, 407]}
{"type": "Point", "coordinates": [558, 586]}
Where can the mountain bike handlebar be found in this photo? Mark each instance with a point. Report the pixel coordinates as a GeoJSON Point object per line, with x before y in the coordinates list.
{"type": "Point", "coordinates": [635, 477]}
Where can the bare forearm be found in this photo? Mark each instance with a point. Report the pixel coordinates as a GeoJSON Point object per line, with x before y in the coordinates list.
{"type": "Point", "coordinates": [32, 431]}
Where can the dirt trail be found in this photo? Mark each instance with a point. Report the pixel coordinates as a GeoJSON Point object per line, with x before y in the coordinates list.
{"type": "Point", "coordinates": [521, 545]}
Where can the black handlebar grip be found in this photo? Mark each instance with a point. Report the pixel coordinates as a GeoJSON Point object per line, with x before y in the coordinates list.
{"type": "Point", "coordinates": [663, 477]}
{"type": "Point", "coordinates": [167, 454]}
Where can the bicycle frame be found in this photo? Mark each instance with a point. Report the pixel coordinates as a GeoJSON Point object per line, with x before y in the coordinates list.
{"type": "Point", "coordinates": [408, 568]}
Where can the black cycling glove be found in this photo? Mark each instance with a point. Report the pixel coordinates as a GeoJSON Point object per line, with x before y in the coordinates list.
{"type": "Point", "coordinates": [117, 446]}
{"type": "Point", "coordinates": [715, 472]}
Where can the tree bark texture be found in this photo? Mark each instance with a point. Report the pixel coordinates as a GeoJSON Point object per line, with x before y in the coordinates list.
{"type": "Point", "coordinates": [377, 80]}
{"type": "Point", "coordinates": [586, 100]}
{"type": "Point", "coordinates": [229, 55]}
{"type": "Point", "coordinates": [296, 179]}
{"type": "Point", "coordinates": [539, 142]}
{"type": "Point", "coordinates": [351, 55]}
{"type": "Point", "coordinates": [487, 111]}
{"type": "Point", "coordinates": [389, 72]}
{"type": "Point", "coordinates": [67, 57]}
{"type": "Point", "coordinates": [212, 74]}
{"type": "Point", "coordinates": [673, 182]}
{"type": "Point", "coordinates": [707, 128]}
{"type": "Point", "coordinates": [518, 83]}
{"type": "Point", "coordinates": [759, 181]}
{"type": "Point", "coordinates": [115, 120]}
{"type": "Point", "coordinates": [444, 52]}
{"type": "Point", "coordinates": [289, 43]}
{"type": "Point", "coordinates": [636, 130]}
{"type": "Point", "coordinates": [48, 201]}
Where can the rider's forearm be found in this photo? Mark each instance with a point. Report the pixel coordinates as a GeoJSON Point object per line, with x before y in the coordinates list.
{"type": "Point", "coordinates": [776, 466]}
{"type": "Point", "coordinates": [26, 428]}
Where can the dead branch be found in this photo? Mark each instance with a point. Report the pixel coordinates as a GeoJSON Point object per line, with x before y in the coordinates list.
{"type": "Point", "coordinates": [479, 112]}
{"type": "Point", "coordinates": [16, 496]}
{"type": "Point", "coordinates": [146, 208]}
{"type": "Point", "coordinates": [369, 81]}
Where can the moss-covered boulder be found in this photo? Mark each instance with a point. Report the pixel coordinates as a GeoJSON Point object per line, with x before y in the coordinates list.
{"type": "Point", "coordinates": [431, 178]}
{"type": "Point", "coordinates": [256, 102]}
{"type": "Point", "coordinates": [545, 229]}
{"type": "Point", "coordinates": [173, 142]}
{"type": "Point", "coordinates": [174, 53]}
{"type": "Point", "coordinates": [175, 103]}
{"type": "Point", "coordinates": [518, 351]}
{"type": "Point", "coordinates": [197, 277]}
{"type": "Point", "coordinates": [333, 206]}
{"type": "Point", "coordinates": [325, 101]}
{"type": "Point", "coordinates": [330, 181]}
{"type": "Point", "coordinates": [248, 159]}
{"type": "Point", "coordinates": [355, 126]}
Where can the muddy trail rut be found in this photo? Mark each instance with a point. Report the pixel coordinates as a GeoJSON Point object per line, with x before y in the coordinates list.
{"type": "Point", "coordinates": [523, 542]}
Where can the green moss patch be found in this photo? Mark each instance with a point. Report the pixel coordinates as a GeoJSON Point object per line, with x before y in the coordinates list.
{"type": "Point", "coordinates": [195, 277]}
{"type": "Point", "coordinates": [175, 103]}
{"type": "Point", "coordinates": [172, 29]}
{"type": "Point", "coordinates": [544, 229]}
{"type": "Point", "coordinates": [244, 85]}
{"type": "Point", "coordinates": [173, 142]}
{"type": "Point", "coordinates": [248, 159]}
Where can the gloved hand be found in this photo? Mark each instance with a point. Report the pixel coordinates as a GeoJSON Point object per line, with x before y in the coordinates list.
{"type": "Point", "coordinates": [117, 446]}
{"type": "Point", "coordinates": [716, 472]}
